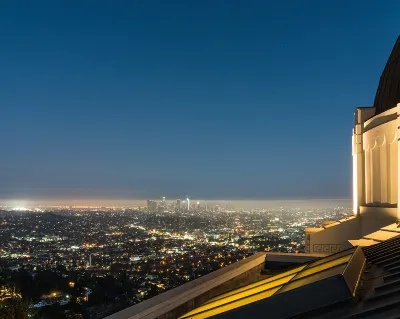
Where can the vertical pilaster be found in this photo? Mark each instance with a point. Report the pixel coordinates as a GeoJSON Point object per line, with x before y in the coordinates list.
{"type": "Point", "coordinates": [358, 172]}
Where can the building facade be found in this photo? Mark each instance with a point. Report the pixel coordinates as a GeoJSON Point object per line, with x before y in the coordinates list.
{"type": "Point", "coordinates": [375, 149]}
{"type": "Point", "coordinates": [375, 146]}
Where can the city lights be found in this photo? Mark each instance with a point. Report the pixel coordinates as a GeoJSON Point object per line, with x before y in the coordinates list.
{"type": "Point", "coordinates": [144, 244]}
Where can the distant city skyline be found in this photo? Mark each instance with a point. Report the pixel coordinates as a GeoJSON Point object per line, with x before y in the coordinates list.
{"type": "Point", "coordinates": [230, 203]}
{"type": "Point", "coordinates": [211, 99]}
{"type": "Point", "coordinates": [86, 260]}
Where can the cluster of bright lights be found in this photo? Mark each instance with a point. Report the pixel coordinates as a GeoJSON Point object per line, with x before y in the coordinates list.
{"type": "Point", "coordinates": [9, 293]}
{"type": "Point", "coordinates": [20, 208]}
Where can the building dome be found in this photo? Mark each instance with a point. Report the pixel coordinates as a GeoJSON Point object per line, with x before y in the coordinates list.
{"type": "Point", "coordinates": [388, 92]}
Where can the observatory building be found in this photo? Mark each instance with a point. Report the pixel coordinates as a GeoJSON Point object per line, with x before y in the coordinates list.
{"type": "Point", "coordinates": [375, 171]}
{"type": "Point", "coordinates": [352, 266]}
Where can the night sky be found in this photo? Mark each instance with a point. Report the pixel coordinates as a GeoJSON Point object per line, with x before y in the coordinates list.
{"type": "Point", "coordinates": [215, 99]}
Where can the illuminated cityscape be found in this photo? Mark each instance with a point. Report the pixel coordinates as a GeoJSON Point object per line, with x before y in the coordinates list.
{"type": "Point", "coordinates": [106, 259]}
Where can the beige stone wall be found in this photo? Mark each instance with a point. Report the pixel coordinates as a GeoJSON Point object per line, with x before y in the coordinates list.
{"type": "Point", "coordinates": [329, 240]}
{"type": "Point", "coordinates": [375, 181]}
{"type": "Point", "coordinates": [373, 218]}
{"type": "Point", "coordinates": [381, 162]}
{"type": "Point", "coordinates": [376, 161]}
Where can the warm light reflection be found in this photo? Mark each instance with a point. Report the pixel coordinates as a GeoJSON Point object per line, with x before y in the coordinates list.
{"type": "Point", "coordinates": [355, 181]}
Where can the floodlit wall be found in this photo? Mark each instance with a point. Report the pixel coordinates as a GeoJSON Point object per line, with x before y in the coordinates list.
{"type": "Point", "coordinates": [380, 159]}
{"type": "Point", "coordinates": [335, 237]}
{"type": "Point", "coordinates": [375, 182]}
{"type": "Point", "coordinates": [373, 218]}
{"type": "Point", "coordinates": [329, 240]}
{"type": "Point", "coordinates": [375, 163]}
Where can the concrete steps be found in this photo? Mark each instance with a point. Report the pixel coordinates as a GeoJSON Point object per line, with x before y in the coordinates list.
{"type": "Point", "coordinates": [387, 286]}
{"type": "Point", "coordinates": [392, 265]}
{"type": "Point", "coordinates": [391, 277]}
{"type": "Point", "coordinates": [385, 303]}
{"type": "Point", "coordinates": [393, 270]}
{"type": "Point", "coordinates": [388, 309]}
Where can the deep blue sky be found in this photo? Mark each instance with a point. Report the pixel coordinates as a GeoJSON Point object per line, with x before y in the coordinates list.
{"type": "Point", "coordinates": [240, 99]}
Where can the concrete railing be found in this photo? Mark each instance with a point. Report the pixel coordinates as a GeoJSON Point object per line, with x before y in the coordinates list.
{"type": "Point", "coordinates": [177, 301]}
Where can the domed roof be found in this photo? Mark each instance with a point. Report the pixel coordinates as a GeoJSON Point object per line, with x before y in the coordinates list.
{"type": "Point", "coordinates": [388, 92]}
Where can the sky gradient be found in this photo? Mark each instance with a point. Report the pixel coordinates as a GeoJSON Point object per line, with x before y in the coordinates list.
{"type": "Point", "coordinates": [215, 99]}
